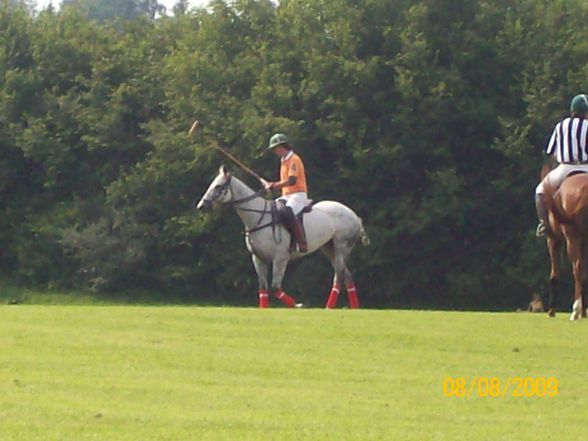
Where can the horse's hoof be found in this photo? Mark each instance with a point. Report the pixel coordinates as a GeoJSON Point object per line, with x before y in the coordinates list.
{"type": "Point", "coordinates": [576, 310]}
{"type": "Point", "coordinates": [551, 312]}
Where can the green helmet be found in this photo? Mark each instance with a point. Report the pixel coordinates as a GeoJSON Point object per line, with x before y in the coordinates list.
{"type": "Point", "coordinates": [579, 104]}
{"type": "Point", "coordinates": [277, 140]}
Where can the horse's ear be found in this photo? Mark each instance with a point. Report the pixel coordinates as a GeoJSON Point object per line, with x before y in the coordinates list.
{"type": "Point", "coordinates": [225, 171]}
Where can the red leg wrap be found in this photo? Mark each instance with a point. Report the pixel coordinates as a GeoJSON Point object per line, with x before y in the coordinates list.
{"type": "Point", "coordinates": [263, 298]}
{"type": "Point", "coordinates": [352, 296]}
{"type": "Point", "coordinates": [333, 296]}
{"type": "Point", "coordinates": [288, 301]}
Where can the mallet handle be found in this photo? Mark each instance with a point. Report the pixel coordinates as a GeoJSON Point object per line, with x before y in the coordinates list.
{"type": "Point", "coordinates": [194, 128]}
{"type": "Point", "coordinates": [239, 163]}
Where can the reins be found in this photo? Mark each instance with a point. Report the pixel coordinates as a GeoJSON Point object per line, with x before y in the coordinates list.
{"type": "Point", "coordinates": [258, 226]}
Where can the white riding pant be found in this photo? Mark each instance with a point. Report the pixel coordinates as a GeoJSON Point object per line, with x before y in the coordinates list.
{"type": "Point", "coordinates": [296, 201]}
{"type": "Point", "coordinates": [556, 176]}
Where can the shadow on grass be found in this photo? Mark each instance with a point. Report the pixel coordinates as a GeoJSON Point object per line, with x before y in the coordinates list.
{"type": "Point", "coordinates": [13, 294]}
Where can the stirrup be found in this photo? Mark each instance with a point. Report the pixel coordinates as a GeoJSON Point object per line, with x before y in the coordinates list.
{"type": "Point", "coordinates": [541, 230]}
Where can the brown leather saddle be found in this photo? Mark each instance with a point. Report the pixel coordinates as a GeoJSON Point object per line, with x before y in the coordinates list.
{"type": "Point", "coordinates": [575, 172]}
{"type": "Point", "coordinates": [282, 218]}
{"type": "Point", "coordinates": [280, 205]}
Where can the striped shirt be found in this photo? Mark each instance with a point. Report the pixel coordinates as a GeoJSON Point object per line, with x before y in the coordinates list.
{"type": "Point", "coordinates": [569, 141]}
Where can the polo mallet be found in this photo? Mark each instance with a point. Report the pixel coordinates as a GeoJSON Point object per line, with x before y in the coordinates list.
{"type": "Point", "coordinates": [192, 132]}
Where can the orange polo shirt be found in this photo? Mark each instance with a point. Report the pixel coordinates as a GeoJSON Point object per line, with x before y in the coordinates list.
{"type": "Point", "coordinates": [291, 165]}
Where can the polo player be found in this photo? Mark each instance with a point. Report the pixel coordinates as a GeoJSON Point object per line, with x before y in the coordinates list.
{"type": "Point", "coordinates": [569, 146]}
{"type": "Point", "coordinates": [293, 185]}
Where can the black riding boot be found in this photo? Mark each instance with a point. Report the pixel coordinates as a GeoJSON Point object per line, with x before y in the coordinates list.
{"type": "Point", "coordinates": [296, 229]}
{"type": "Point", "coordinates": [543, 228]}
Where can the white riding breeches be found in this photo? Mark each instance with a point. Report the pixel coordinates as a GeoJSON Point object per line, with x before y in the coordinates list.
{"type": "Point", "coordinates": [556, 176]}
{"type": "Point", "coordinates": [296, 201]}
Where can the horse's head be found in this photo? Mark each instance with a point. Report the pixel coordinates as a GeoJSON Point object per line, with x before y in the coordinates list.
{"type": "Point", "coordinates": [219, 190]}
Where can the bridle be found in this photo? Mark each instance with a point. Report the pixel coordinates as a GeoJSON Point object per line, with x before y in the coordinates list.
{"type": "Point", "coordinates": [224, 188]}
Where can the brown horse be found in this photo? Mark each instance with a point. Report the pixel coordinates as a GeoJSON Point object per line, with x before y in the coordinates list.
{"type": "Point", "coordinates": [568, 218]}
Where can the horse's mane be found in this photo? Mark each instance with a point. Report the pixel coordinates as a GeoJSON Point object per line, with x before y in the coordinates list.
{"type": "Point", "coordinates": [244, 186]}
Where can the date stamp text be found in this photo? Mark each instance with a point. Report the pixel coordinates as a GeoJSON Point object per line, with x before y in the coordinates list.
{"type": "Point", "coordinates": [495, 387]}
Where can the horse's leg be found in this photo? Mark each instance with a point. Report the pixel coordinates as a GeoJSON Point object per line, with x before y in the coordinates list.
{"type": "Point", "coordinates": [351, 289]}
{"type": "Point", "coordinates": [342, 273]}
{"type": "Point", "coordinates": [575, 256]}
{"type": "Point", "coordinates": [262, 270]}
{"type": "Point", "coordinates": [554, 248]}
{"type": "Point", "coordinates": [341, 254]}
{"type": "Point", "coordinates": [584, 298]}
{"type": "Point", "coordinates": [334, 294]}
{"type": "Point", "coordinates": [279, 269]}
{"type": "Point", "coordinates": [352, 295]}
{"type": "Point", "coordinates": [336, 288]}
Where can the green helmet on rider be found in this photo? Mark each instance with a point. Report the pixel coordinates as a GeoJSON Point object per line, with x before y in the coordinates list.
{"type": "Point", "coordinates": [277, 140]}
{"type": "Point", "coordinates": [579, 104]}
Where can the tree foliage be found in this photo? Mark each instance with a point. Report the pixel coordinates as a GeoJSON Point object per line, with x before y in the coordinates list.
{"type": "Point", "coordinates": [427, 117]}
{"type": "Point", "coordinates": [108, 10]}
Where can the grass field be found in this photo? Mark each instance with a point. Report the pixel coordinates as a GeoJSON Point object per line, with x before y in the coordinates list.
{"type": "Point", "coordinates": [187, 373]}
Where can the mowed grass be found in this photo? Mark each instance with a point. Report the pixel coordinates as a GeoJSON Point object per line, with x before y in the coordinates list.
{"type": "Point", "coordinates": [189, 373]}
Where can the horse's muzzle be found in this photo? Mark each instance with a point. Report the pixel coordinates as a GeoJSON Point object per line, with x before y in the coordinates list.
{"type": "Point", "coordinates": [204, 205]}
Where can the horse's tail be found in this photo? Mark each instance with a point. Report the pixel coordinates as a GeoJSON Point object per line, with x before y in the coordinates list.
{"type": "Point", "coordinates": [365, 240]}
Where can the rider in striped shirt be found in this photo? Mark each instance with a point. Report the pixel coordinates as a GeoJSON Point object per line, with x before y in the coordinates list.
{"type": "Point", "coordinates": [569, 146]}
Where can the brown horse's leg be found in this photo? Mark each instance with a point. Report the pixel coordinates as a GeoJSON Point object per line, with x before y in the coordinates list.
{"type": "Point", "coordinates": [554, 247]}
{"type": "Point", "coordinates": [553, 295]}
{"type": "Point", "coordinates": [584, 299]}
{"type": "Point", "coordinates": [585, 279]}
{"type": "Point", "coordinates": [575, 255]}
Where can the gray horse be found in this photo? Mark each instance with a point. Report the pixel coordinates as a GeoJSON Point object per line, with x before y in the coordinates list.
{"type": "Point", "coordinates": [330, 226]}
